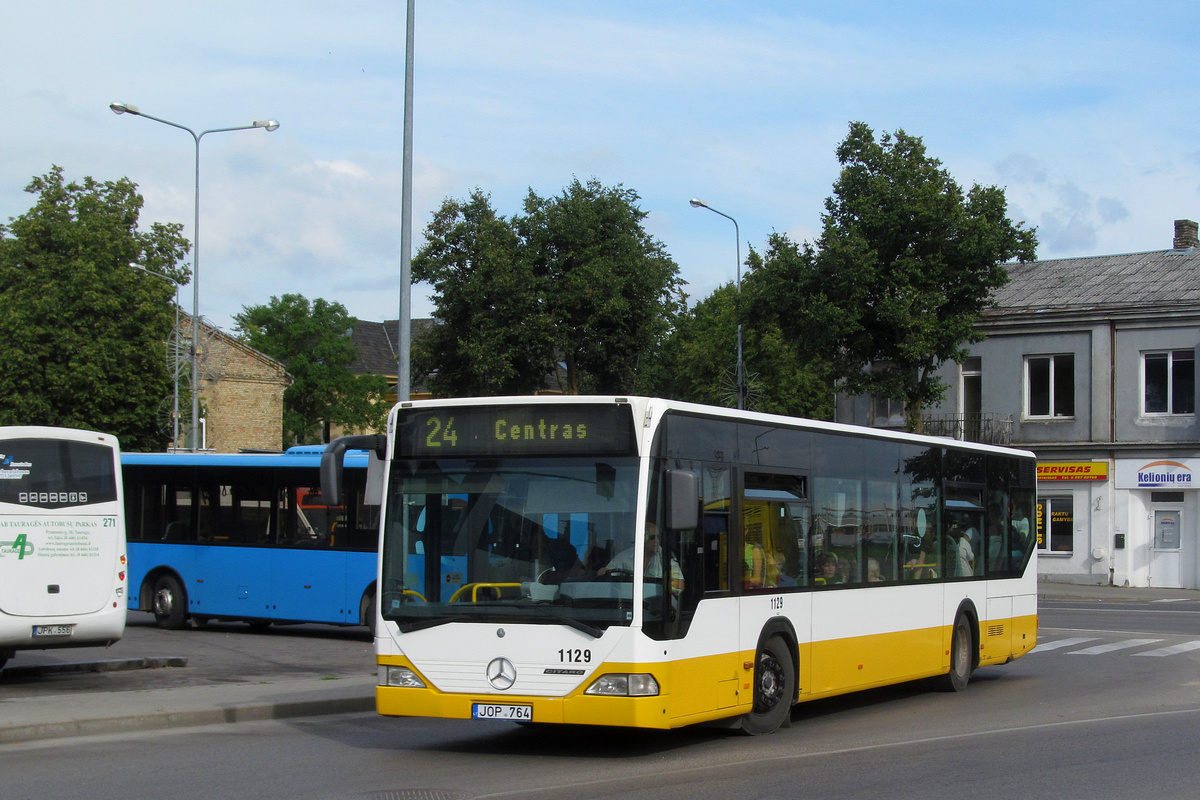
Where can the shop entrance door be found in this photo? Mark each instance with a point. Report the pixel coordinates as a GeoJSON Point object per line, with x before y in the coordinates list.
{"type": "Point", "coordinates": [1165, 560]}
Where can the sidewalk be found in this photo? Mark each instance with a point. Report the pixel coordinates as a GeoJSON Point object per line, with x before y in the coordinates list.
{"type": "Point", "coordinates": [155, 679]}
{"type": "Point", "coordinates": [24, 719]}
{"type": "Point", "coordinates": [1051, 590]}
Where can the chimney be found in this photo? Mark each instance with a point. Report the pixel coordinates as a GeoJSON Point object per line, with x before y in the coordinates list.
{"type": "Point", "coordinates": [1186, 234]}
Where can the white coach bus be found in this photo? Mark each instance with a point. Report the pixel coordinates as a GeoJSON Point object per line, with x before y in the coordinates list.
{"type": "Point", "coordinates": [62, 539]}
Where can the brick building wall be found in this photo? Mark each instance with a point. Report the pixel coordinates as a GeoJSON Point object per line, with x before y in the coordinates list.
{"type": "Point", "coordinates": [241, 392]}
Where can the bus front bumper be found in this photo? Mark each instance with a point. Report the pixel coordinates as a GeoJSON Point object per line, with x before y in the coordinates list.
{"type": "Point", "coordinates": [637, 712]}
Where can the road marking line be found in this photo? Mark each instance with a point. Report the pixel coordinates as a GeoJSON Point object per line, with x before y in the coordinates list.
{"type": "Point", "coordinates": [1172, 650]}
{"type": "Point", "coordinates": [1043, 646]}
{"type": "Point", "coordinates": [1110, 647]}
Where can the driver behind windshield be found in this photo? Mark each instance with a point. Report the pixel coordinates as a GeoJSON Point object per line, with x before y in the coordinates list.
{"type": "Point", "coordinates": [623, 561]}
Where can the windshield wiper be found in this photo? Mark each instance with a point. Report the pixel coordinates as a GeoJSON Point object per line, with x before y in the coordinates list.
{"type": "Point", "coordinates": [566, 619]}
{"type": "Point", "coordinates": [422, 624]}
{"type": "Point", "coordinates": [553, 613]}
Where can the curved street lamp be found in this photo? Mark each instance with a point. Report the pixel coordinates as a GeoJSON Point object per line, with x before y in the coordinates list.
{"type": "Point", "coordinates": [741, 370]}
{"type": "Point", "coordinates": [266, 124]}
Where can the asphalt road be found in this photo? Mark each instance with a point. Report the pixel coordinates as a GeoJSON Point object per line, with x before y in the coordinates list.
{"type": "Point", "coordinates": [1108, 706]}
{"type": "Point", "coordinates": [1055, 724]}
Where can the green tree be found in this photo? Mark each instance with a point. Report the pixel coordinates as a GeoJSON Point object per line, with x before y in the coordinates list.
{"type": "Point", "coordinates": [313, 343]}
{"type": "Point", "coordinates": [575, 279]}
{"type": "Point", "coordinates": [701, 355]}
{"type": "Point", "coordinates": [491, 336]}
{"type": "Point", "coordinates": [905, 264]}
{"type": "Point", "coordinates": [609, 288]}
{"type": "Point", "coordinates": [84, 333]}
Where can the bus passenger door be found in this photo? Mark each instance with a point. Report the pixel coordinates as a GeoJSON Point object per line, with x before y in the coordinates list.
{"type": "Point", "coordinates": [308, 562]}
{"type": "Point", "coordinates": [775, 514]}
{"type": "Point", "coordinates": [706, 661]}
{"type": "Point", "coordinates": [230, 578]}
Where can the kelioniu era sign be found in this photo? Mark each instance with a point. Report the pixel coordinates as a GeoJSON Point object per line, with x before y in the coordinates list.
{"type": "Point", "coordinates": [1160, 473]}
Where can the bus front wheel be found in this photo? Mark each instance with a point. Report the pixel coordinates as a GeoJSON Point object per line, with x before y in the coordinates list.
{"type": "Point", "coordinates": [169, 603]}
{"type": "Point", "coordinates": [774, 687]}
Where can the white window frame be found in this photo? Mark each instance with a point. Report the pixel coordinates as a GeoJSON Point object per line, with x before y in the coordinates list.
{"type": "Point", "coordinates": [1027, 390]}
{"type": "Point", "coordinates": [1170, 388]}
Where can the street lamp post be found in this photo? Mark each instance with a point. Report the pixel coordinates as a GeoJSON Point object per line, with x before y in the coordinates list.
{"type": "Point", "coordinates": [404, 328]}
{"type": "Point", "coordinates": [741, 370]}
{"type": "Point", "coordinates": [267, 124]}
{"type": "Point", "coordinates": [175, 364]}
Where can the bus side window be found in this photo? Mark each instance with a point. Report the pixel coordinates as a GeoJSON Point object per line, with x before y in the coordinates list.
{"type": "Point", "coordinates": [175, 532]}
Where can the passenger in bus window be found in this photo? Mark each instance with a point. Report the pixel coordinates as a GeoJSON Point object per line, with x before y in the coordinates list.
{"type": "Point", "coordinates": [755, 567]}
{"type": "Point", "coordinates": [921, 561]}
{"type": "Point", "coordinates": [964, 553]}
{"type": "Point", "coordinates": [827, 570]}
{"type": "Point", "coordinates": [873, 575]}
{"type": "Point", "coordinates": [777, 569]}
{"type": "Point", "coordinates": [847, 570]}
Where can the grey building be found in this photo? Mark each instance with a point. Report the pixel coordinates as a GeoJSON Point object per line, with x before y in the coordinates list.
{"type": "Point", "coordinates": [1090, 363]}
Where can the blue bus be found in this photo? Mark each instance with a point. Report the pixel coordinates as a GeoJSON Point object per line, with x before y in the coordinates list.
{"type": "Point", "coordinates": [248, 537]}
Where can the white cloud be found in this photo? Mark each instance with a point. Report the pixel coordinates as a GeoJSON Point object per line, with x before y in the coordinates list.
{"type": "Point", "coordinates": [1082, 118]}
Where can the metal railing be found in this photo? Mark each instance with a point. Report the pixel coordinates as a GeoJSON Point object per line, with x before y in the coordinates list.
{"type": "Point", "coordinates": [984, 427]}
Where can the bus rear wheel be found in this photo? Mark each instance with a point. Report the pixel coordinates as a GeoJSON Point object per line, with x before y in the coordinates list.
{"type": "Point", "coordinates": [774, 687]}
{"type": "Point", "coordinates": [962, 661]}
{"type": "Point", "coordinates": [169, 603]}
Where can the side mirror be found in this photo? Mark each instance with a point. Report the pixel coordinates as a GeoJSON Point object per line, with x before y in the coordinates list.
{"type": "Point", "coordinates": [331, 462]}
{"type": "Point", "coordinates": [683, 500]}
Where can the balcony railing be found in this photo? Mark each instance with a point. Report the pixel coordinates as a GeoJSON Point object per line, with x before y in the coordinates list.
{"type": "Point", "coordinates": [985, 428]}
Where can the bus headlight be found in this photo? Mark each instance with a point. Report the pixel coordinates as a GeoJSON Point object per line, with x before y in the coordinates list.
{"type": "Point", "coordinates": [619, 684]}
{"type": "Point", "coordinates": [399, 676]}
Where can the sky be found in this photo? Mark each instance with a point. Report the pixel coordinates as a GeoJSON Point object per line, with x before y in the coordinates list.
{"type": "Point", "coordinates": [1085, 113]}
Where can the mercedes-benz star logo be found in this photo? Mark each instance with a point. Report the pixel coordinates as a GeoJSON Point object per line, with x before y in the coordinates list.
{"type": "Point", "coordinates": [501, 673]}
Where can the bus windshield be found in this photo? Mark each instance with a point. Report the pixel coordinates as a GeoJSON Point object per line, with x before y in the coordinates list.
{"type": "Point", "coordinates": [509, 539]}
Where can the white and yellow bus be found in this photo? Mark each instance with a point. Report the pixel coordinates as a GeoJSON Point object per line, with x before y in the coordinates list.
{"type": "Point", "coordinates": [642, 562]}
{"type": "Point", "coordinates": [62, 539]}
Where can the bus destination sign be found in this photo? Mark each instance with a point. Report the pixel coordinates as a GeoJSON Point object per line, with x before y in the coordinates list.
{"type": "Point", "coordinates": [566, 429]}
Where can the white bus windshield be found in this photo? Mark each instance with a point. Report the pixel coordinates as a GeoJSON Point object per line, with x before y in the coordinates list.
{"type": "Point", "coordinates": [515, 539]}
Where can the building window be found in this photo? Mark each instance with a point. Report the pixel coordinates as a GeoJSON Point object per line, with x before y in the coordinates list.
{"type": "Point", "coordinates": [886, 412]}
{"type": "Point", "coordinates": [1169, 381]}
{"type": "Point", "coordinates": [970, 393]}
{"type": "Point", "coordinates": [1056, 524]}
{"type": "Point", "coordinates": [1050, 386]}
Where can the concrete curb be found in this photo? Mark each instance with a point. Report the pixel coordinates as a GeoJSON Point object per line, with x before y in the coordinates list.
{"type": "Point", "coordinates": [56, 717]}
{"type": "Point", "coordinates": [111, 665]}
{"type": "Point", "coordinates": [183, 719]}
